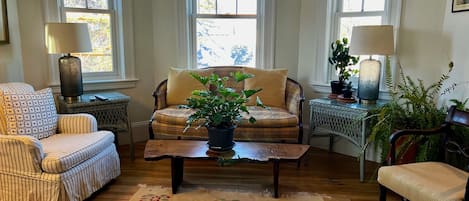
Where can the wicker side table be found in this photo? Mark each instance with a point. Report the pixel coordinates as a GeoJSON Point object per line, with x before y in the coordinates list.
{"type": "Point", "coordinates": [348, 120]}
{"type": "Point", "coordinates": [111, 114]}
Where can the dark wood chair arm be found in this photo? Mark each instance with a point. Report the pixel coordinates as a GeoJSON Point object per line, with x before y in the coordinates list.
{"type": "Point", "coordinates": [406, 132]}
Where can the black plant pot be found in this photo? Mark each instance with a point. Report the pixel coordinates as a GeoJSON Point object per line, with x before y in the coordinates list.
{"type": "Point", "coordinates": [347, 93]}
{"type": "Point", "coordinates": [337, 87]}
{"type": "Point", "coordinates": [220, 139]}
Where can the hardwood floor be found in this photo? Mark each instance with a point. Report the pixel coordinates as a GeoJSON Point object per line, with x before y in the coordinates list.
{"type": "Point", "coordinates": [320, 172]}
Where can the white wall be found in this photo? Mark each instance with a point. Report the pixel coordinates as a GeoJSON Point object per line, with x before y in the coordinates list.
{"type": "Point", "coordinates": [10, 54]}
{"type": "Point", "coordinates": [456, 43]}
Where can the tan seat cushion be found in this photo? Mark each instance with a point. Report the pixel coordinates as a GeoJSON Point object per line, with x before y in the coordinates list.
{"type": "Point", "coordinates": [65, 151]}
{"type": "Point", "coordinates": [425, 181]}
{"type": "Point", "coordinates": [275, 117]}
{"type": "Point", "coordinates": [272, 83]}
{"type": "Point", "coordinates": [181, 84]}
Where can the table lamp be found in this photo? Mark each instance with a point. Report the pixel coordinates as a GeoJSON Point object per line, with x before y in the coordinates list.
{"type": "Point", "coordinates": [66, 38]}
{"type": "Point", "coordinates": [371, 40]}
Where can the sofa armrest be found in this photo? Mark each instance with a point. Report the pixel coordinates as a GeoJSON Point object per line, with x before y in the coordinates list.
{"type": "Point", "coordinates": [160, 95]}
{"type": "Point", "coordinates": [77, 123]}
{"type": "Point", "coordinates": [21, 154]}
{"type": "Point", "coordinates": [294, 97]}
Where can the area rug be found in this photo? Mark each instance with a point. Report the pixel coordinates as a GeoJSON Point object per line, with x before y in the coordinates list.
{"type": "Point", "coordinates": [158, 193]}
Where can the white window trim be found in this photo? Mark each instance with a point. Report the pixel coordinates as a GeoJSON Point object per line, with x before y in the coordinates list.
{"type": "Point", "coordinates": [265, 34]}
{"type": "Point", "coordinates": [124, 48]}
{"type": "Point", "coordinates": [322, 85]}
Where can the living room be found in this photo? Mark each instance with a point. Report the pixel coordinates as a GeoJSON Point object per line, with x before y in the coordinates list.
{"type": "Point", "coordinates": [428, 35]}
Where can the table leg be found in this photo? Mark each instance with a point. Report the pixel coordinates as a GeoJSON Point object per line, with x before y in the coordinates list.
{"type": "Point", "coordinates": [362, 167]}
{"type": "Point", "coordinates": [331, 142]}
{"type": "Point", "coordinates": [177, 171]}
{"type": "Point", "coordinates": [276, 173]}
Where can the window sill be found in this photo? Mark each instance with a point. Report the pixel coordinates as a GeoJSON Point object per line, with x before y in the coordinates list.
{"type": "Point", "coordinates": [96, 85]}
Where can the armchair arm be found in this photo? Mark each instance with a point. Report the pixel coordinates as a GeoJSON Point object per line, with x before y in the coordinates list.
{"type": "Point", "coordinates": [294, 97]}
{"type": "Point", "coordinates": [396, 135]}
{"type": "Point", "coordinates": [21, 154]}
{"type": "Point", "coordinates": [77, 123]}
{"type": "Point", "coordinates": [160, 95]}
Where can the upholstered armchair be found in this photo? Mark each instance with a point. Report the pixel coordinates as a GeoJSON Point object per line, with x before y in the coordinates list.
{"type": "Point", "coordinates": [47, 156]}
{"type": "Point", "coordinates": [429, 181]}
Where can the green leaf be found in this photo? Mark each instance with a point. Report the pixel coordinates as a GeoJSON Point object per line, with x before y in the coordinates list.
{"type": "Point", "coordinates": [248, 93]}
{"type": "Point", "coordinates": [202, 79]}
{"type": "Point", "coordinates": [238, 76]}
{"type": "Point", "coordinates": [252, 120]}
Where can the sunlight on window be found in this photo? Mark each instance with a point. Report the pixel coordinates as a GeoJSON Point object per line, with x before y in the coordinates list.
{"type": "Point", "coordinates": [99, 25]}
{"type": "Point", "coordinates": [374, 5]}
{"type": "Point", "coordinates": [226, 42]}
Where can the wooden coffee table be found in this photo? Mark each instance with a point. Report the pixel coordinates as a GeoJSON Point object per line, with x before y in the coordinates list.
{"type": "Point", "coordinates": [177, 150]}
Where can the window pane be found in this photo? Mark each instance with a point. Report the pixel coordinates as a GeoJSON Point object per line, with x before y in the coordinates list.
{"type": "Point", "coordinates": [206, 7]}
{"type": "Point", "coordinates": [374, 5]}
{"type": "Point", "coordinates": [247, 7]}
{"type": "Point", "coordinates": [226, 42]}
{"type": "Point", "coordinates": [346, 25]}
{"type": "Point", "coordinates": [99, 25]}
{"type": "Point", "coordinates": [98, 4]}
{"type": "Point", "coordinates": [75, 3]}
{"type": "Point", "coordinates": [351, 5]}
{"type": "Point", "coordinates": [226, 7]}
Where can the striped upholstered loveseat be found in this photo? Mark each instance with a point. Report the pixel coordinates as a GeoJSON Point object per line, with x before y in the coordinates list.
{"type": "Point", "coordinates": [283, 123]}
{"type": "Point", "coordinates": [49, 157]}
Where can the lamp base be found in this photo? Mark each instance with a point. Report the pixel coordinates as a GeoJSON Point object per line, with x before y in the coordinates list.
{"type": "Point", "coordinates": [367, 102]}
{"type": "Point", "coordinates": [368, 82]}
{"type": "Point", "coordinates": [72, 99]}
{"type": "Point", "coordinates": [71, 82]}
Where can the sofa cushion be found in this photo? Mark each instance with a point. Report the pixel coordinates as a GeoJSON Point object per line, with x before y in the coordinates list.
{"type": "Point", "coordinates": [65, 151]}
{"type": "Point", "coordinates": [275, 117]}
{"type": "Point", "coordinates": [181, 84]}
{"type": "Point", "coordinates": [425, 181]}
{"type": "Point", "coordinates": [272, 83]}
{"type": "Point", "coordinates": [29, 113]}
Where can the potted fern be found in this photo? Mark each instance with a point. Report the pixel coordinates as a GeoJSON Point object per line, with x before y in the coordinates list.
{"type": "Point", "coordinates": [219, 108]}
{"type": "Point", "coordinates": [412, 106]}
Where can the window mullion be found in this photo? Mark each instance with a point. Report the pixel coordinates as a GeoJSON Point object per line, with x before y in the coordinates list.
{"type": "Point", "coordinates": [360, 14]}
{"type": "Point", "coordinates": [363, 6]}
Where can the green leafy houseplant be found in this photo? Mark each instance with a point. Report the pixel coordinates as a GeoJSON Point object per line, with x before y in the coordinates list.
{"type": "Point", "coordinates": [412, 106]}
{"type": "Point", "coordinates": [217, 105]}
{"type": "Point", "coordinates": [341, 59]}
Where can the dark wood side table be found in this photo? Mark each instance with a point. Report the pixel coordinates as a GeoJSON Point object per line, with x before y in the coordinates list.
{"type": "Point", "coordinates": [177, 150]}
{"type": "Point", "coordinates": [111, 114]}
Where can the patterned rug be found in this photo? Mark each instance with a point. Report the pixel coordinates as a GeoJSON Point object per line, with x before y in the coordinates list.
{"type": "Point", "coordinates": [158, 193]}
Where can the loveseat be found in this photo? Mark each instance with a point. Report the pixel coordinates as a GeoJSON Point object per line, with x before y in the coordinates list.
{"type": "Point", "coordinates": [45, 156]}
{"type": "Point", "coordinates": [282, 123]}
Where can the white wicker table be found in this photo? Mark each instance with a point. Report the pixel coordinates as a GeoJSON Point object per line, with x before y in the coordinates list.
{"type": "Point", "coordinates": [348, 120]}
{"type": "Point", "coordinates": [111, 114]}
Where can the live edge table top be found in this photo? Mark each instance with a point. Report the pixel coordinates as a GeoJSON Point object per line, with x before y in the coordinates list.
{"type": "Point", "coordinates": [255, 151]}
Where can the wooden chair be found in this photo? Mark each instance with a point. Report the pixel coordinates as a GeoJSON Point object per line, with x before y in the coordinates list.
{"type": "Point", "coordinates": [429, 181]}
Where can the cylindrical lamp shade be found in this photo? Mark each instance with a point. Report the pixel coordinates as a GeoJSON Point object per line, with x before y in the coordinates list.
{"type": "Point", "coordinates": [368, 83]}
{"type": "Point", "coordinates": [372, 40]}
{"type": "Point", "coordinates": [67, 38]}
